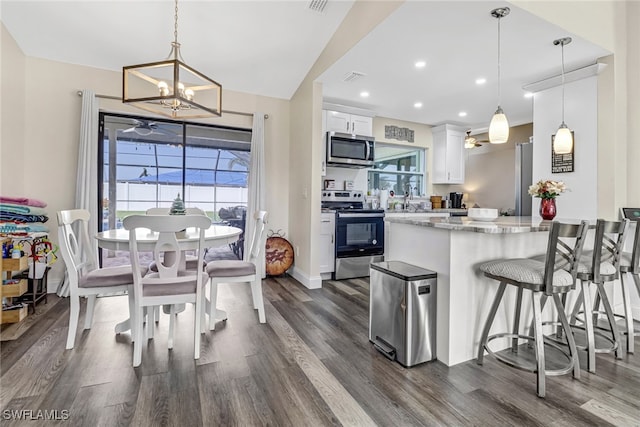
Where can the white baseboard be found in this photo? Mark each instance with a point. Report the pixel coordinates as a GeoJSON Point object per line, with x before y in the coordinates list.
{"type": "Point", "coordinates": [308, 282]}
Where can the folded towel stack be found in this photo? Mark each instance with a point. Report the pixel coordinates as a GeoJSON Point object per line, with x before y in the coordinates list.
{"type": "Point", "coordinates": [22, 215]}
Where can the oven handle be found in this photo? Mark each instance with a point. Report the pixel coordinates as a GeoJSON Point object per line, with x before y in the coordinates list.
{"type": "Point", "coordinates": [360, 215]}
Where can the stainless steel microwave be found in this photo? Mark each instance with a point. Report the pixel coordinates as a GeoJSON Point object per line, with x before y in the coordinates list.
{"type": "Point", "coordinates": [350, 151]}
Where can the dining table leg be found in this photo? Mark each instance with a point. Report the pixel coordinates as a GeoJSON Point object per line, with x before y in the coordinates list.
{"type": "Point", "coordinates": [125, 325]}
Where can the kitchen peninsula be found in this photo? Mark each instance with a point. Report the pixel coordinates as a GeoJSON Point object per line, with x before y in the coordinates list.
{"type": "Point", "coordinates": [454, 247]}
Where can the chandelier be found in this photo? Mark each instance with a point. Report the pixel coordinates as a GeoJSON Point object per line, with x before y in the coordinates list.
{"type": "Point", "coordinates": [171, 88]}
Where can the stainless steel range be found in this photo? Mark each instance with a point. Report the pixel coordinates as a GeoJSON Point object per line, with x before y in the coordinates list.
{"type": "Point", "coordinates": [359, 233]}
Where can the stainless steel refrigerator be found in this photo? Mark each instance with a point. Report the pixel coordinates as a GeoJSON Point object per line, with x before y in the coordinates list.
{"type": "Point", "coordinates": [524, 174]}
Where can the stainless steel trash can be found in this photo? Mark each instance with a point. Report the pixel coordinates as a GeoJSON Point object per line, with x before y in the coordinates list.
{"type": "Point", "coordinates": [402, 311]}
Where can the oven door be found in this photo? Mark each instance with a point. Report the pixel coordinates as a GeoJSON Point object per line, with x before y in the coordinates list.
{"type": "Point", "coordinates": [359, 234]}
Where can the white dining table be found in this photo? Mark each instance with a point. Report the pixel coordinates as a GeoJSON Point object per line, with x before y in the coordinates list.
{"type": "Point", "coordinates": [214, 236]}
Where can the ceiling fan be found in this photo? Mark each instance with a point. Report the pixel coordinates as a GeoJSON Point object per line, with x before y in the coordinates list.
{"type": "Point", "coordinates": [471, 142]}
{"type": "Point", "coordinates": [146, 128]}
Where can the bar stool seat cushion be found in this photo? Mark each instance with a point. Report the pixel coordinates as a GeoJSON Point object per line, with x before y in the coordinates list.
{"type": "Point", "coordinates": [625, 261]}
{"type": "Point", "coordinates": [586, 260]}
{"type": "Point", "coordinates": [525, 270]}
{"type": "Point", "coordinates": [230, 268]}
{"type": "Point", "coordinates": [108, 276]}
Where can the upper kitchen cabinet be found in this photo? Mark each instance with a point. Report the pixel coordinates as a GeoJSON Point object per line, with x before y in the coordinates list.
{"type": "Point", "coordinates": [349, 123]}
{"type": "Point", "coordinates": [448, 154]}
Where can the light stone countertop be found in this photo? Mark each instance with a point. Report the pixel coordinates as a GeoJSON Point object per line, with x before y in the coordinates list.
{"type": "Point", "coordinates": [418, 210]}
{"type": "Point", "coordinates": [501, 225]}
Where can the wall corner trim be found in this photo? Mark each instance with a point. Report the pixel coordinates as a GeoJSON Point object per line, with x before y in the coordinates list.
{"type": "Point", "coordinates": [307, 281]}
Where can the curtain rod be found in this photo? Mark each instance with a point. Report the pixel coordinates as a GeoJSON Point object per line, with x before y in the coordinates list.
{"type": "Point", "coordinates": [117, 98]}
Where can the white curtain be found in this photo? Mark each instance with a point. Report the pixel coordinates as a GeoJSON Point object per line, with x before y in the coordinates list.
{"type": "Point", "coordinates": [87, 173]}
{"type": "Point", "coordinates": [257, 185]}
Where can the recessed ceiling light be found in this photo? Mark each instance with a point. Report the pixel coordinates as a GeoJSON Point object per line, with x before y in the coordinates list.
{"type": "Point", "coordinates": [462, 114]}
{"type": "Point", "coordinates": [528, 95]}
{"type": "Point", "coordinates": [421, 64]}
{"type": "Point", "coordinates": [418, 105]}
{"type": "Point", "coordinates": [481, 81]}
{"type": "Point", "coordinates": [364, 94]}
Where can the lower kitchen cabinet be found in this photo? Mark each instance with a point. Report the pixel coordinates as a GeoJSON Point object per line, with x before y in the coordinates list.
{"type": "Point", "coordinates": [327, 242]}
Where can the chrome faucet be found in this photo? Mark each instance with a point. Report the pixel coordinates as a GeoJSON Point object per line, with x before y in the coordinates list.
{"type": "Point", "coordinates": [408, 195]}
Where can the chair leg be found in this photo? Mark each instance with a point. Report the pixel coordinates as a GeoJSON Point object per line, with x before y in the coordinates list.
{"type": "Point", "coordinates": [543, 301]}
{"type": "Point", "coordinates": [172, 321]}
{"type": "Point", "coordinates": [213, 300]}
{"type": "Point", "coordinates": [197, 320]}
{"type": "Point", "coordinates": [628, 314]}
{"type": "Point", "coordinates": [489, 322]}
{"type": "Point", "coordinates": [562, 317]}
{"type": "Point", "coordinates": [88, 315]}
{"type": "Point", "coordinates": [258, 301]}
{"type": "Point", "coordinates": [516, 321]}
{"type": "Point", "coordinates": [137, 344]}
{"type": "Point", "coordinates": [156, 313]}
{"type": "Point", "coordinates": [149, 316]}
{"type": "Point", "coordinates": [576, 309]}
{"type": "Point", "coordinates": [539, 343]}
{"type": "Point", "coordinates": [596, 308]}
{"type": "Point", "coordinates": [588, 325]}
{"type": "Point", "coordinates": [612, 320]}
{"type": "Point", "coordinates": [74, 313]}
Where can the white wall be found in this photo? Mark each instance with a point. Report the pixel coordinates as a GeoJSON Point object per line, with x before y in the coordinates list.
{"type": "Point", "coordinates": [581, 115]}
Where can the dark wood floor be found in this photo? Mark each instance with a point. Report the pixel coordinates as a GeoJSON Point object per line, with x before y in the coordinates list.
{"type": "Point", "coordinates": [311, 364]}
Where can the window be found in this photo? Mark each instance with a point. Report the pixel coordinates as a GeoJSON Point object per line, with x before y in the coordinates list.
{"type": "Point", "coordinates": [148, 163]}
{"type": "Point", "coordinates": [398, 168]}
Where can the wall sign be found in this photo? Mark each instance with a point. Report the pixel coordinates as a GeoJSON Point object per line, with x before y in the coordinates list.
{"type": "Point", "coordinates": [561, 163]}
{"type": "Point", "coordinates": [401, 134]}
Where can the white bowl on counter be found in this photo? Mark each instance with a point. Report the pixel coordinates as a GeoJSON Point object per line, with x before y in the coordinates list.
{"type": "Point", "coordinates": [482, 214]}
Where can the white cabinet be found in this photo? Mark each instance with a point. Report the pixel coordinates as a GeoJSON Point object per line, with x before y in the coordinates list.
{"type": "Point", "coordinates": [349, 123]}
{"type": "Point", "coordinates": [327, 242]}
{"type": "Point", "coordinates": [448, 154]}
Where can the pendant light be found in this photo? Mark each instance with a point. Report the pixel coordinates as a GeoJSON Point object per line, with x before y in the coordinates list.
{"type": "Point", "coordinates": [563, 141]}
{"type": "Point", "coordinates": [171, 88]}
{"type": "Point", "coordinates": [499, 127]}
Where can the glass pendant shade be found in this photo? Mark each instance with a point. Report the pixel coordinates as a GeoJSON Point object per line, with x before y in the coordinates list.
{"type": "Point", "coordinates": [499, 128]}
{"type": "Point", "coordinates": [563, 141]}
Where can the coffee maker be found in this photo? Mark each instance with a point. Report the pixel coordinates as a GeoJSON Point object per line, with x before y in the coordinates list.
{"type": "Point", "coordinates": [456, 200]}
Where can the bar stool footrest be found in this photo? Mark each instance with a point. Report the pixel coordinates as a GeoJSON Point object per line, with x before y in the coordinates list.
{"type": "Point", "coordinates": [529, 366]}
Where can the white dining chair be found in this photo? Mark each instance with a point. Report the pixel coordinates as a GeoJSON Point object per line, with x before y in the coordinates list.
{"type": "Point", "coordinates": [236, 271]}
{"type": "Point", "coordinates": [170, 285]}
{"type": "Point", "coordinates": [86, 279]}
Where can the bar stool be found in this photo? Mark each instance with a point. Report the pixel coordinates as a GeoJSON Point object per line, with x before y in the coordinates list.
{"type": "Point", "coordinates": [554, 276]}
{"type": "Point", "coordinates": [630, 266]}
{"type": "Point", "coordinates": [599, 267]}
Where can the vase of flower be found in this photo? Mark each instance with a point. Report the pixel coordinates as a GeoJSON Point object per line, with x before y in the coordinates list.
{"type": "Point", "coordinates": [547, 191]}
{"type": "Point", "coordinates": [548, 209]}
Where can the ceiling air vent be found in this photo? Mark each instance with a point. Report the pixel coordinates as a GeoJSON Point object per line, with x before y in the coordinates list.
{"type": "Point", "coordinates": [318, 5]}
{"type": "Point", "coordinates": [352, 76]}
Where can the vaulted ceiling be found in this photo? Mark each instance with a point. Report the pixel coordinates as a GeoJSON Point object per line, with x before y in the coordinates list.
{"type": "Point", "coordinates": [268, 47]}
